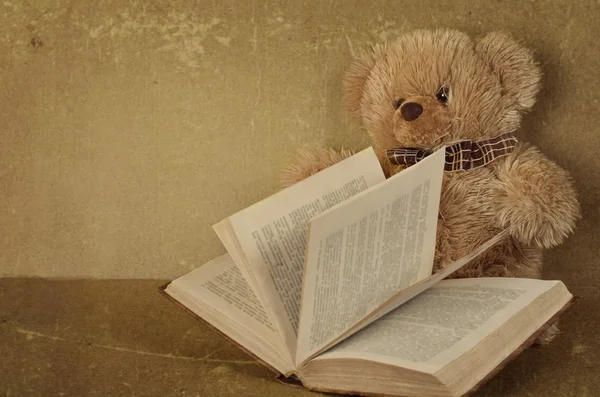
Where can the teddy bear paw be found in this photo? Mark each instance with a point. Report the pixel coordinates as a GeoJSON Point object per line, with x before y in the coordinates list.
{"type": "Point", "coordinates": [544, 231]}
{"type": "Point", "coordinates": [311, 161]}
{"type": "Point", "coordinates": [536, 199]}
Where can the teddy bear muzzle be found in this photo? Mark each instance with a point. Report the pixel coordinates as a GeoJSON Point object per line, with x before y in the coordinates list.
{"type": "Point", "coordinates": [411, 111]}
{"type": "Point", "coordinates": [421, 121]}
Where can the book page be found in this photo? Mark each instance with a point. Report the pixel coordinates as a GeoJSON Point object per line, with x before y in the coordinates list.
{"type": "Point", "coordinates": [219, 287]}
{"type": "Point", "coordinates": [272, 234]}
{"type": "Point", "coordinates": [410, 292]}
{"type": "Point", "coordinates": [222, 229]}
{"type": "Point", "coordinates": [442, 323]}
{"type": "Point", "coordinates": [362, 252]}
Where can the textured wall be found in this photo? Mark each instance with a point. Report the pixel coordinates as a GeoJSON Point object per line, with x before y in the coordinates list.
{"type": "Point", "coordinates": [128, 128]}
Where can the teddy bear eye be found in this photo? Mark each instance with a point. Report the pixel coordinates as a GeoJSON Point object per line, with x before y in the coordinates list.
{"type": "Point", "coordinates": [443, 94]}
{"type": "Point", "coordinates": [399, 103]}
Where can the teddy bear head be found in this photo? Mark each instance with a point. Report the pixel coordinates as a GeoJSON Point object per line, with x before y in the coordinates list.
{"type": "Point", "coordinates": [429, 88]}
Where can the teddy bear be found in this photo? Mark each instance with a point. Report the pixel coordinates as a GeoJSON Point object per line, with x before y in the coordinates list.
{"type": "Point", "coordinates": [429, 89]}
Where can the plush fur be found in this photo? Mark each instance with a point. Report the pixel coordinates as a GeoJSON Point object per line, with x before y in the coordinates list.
{"type": "Point", "coordinates": [489, 83]}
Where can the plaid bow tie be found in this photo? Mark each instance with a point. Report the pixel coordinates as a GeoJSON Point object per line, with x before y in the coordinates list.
{"type": "Point", "coordinates": [463, 155]}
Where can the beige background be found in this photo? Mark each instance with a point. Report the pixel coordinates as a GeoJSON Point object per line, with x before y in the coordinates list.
{"type": "Point", "coordinates": [128, 128]}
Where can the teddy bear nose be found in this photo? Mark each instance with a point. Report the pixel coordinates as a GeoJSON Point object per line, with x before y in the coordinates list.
{"type": "Point", "coordinates": [411, 111]}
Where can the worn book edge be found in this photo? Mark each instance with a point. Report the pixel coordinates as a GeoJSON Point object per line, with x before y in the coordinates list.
{"type": "Point", "coordinates": [295, 382]}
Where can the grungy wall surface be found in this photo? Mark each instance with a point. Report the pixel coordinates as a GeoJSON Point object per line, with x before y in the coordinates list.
{"type": "Point", "coordinates": [128, 128]}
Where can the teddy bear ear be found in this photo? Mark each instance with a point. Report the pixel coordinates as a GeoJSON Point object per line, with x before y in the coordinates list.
{"type": "Point", "coordinates": [357, 75]}
{"type": "Point", "coordinates": [514, 65]}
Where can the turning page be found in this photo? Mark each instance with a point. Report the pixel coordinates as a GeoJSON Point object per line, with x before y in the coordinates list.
{"type": "Point", "coordinates": [272, 234]}
{"type": "Point", "coordinates": [218, 293]}
{"type": "Point", "coordinates": [409, 293]}
{"type": "Point", "coordinates": [365, 250]}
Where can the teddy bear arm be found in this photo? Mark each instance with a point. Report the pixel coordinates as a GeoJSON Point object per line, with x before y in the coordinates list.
{"type": "Point", "coordinates": [536, 198]}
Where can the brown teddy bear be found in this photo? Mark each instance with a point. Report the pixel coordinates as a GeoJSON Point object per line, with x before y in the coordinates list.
{"type": "Point", "coordinates": [432, 88]}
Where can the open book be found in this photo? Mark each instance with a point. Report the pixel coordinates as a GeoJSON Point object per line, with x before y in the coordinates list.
{"type": "Point", "coordinates": [330, 284]}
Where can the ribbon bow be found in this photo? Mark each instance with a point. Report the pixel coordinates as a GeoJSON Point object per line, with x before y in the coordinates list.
{"type": "Point", "coordinates": [463, 155]}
